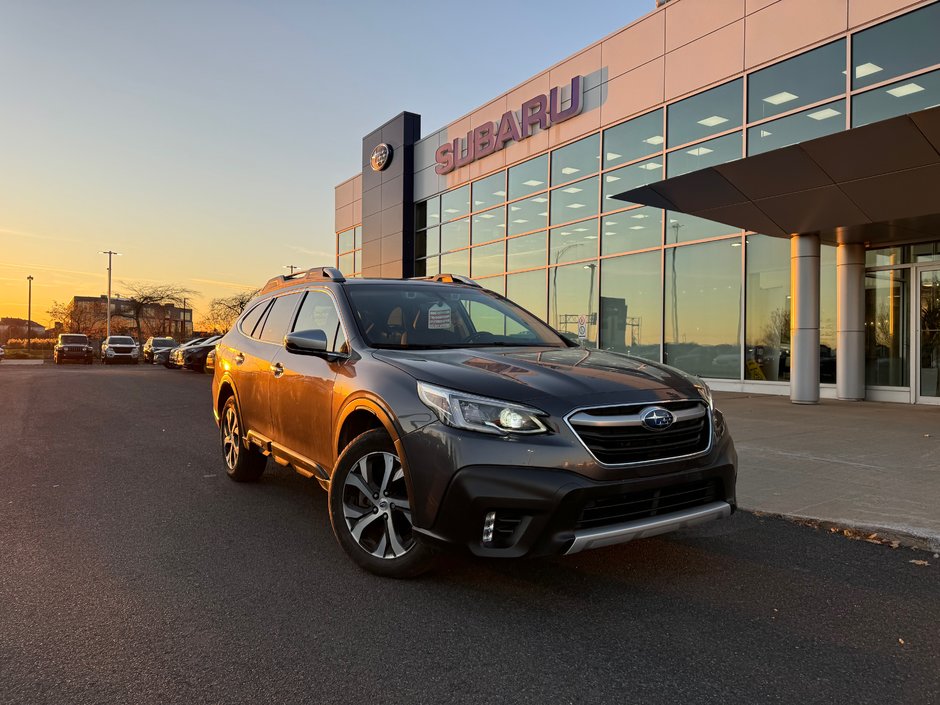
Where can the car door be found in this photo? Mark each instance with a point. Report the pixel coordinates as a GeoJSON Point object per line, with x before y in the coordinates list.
{"type": "Point", "coordinates": [301, 396]}
{"type": "Point", "coordinates": [253, 356]}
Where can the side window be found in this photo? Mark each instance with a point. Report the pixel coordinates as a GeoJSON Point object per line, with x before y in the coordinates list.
{"type": "Point", "coordinates": [278, 321]}
{"type": "Point", "coordinates": [251, 319]}
{"type": "Point", "coordinates": [318, 312]}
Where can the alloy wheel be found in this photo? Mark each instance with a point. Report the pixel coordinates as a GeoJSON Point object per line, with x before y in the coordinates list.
{"type": "Point", "coordinates": [231, 440]}
{"type": "Point", "coordinates": [376, 508]}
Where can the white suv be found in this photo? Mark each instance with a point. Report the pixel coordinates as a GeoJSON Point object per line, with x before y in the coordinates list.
{"type": "Point", "coordinates": [119, 348]}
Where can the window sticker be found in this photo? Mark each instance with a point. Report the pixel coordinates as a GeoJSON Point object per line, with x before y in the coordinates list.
{"type": "Point", "coordinates": [439, 317]}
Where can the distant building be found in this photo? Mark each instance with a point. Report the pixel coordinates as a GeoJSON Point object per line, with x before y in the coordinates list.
{"type": "Point", "coordinates": [89, 315]}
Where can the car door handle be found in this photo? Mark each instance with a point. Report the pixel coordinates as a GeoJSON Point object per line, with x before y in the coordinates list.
{"type": "Point", "coordinates": [277, 368]}
{"type": "Point", "coordinates": [239, 358]}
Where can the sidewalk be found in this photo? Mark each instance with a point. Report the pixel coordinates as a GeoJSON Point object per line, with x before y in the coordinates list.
{"type": "Point", "coordinates": [864, 465]}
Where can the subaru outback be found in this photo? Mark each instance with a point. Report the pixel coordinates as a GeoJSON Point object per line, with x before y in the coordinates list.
{"type": "Point", "coordinates": [437, 413]}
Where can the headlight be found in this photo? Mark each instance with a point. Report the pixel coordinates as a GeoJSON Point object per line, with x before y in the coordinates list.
{"type": "Point", "coordinates": [706, 392]}
{"type": "Point", "coordinates": [475, 413]}
{"type": "Point", "coordinates": [110, 352]}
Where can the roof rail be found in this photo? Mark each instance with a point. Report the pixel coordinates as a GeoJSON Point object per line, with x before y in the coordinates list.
{"type": "Point", "coordinates": [316, 274]}
{"type": "Point", "coordinates": [447, 278]}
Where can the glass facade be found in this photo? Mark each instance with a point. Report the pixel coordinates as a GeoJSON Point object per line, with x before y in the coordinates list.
{"type": "Point", "coordinates": [805, 79]}
{"type": "Point", "coordinates": [767, 309]}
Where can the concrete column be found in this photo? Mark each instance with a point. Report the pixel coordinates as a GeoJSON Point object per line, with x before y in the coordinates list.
{"type": "Point", "coordinates": [850, 326]}
{"type": "Point", "coordinates": [804, 319]}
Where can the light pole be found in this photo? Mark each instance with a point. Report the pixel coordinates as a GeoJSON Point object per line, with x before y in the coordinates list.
{"type": "Point", "coordinates": [558, 255]}
{"type": "Point", "coordinates": [29, 314]}
{"type": "Point", "coordinates": [183, 321]}
{"type": "Point", "coordinates": [291, 267]}
{"type": "Point", "coordinates": [109, 253]}
{"type": "Point", "coordinates": [592, 266]}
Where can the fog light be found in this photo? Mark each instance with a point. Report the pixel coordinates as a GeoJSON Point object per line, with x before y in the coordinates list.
{"type": "Point", "coordinates": [488, 524]}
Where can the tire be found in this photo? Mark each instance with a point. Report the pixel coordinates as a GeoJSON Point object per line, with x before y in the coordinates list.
{"type": "Point", "coordinates": [371, 512]}
{"type": "Point", "coordinates": [243, 462]}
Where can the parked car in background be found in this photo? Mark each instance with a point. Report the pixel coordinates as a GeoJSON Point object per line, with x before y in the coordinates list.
{"type": "Point", "coordinates": [154, 344]}
{"type": "Point", "coordinates": [119, 348]}
{"type": "Point", "coordinates": [194, 356]}
{"type": "Point", "coordinates": [73, 346]}
{"type": "Point", "coordinates": [175, 358]}
{"type": "Point", "coordinates": [210, 360]}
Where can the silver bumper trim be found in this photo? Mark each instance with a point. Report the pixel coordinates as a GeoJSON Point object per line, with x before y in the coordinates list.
{"type": "Point", "coordinates": [643, 528]}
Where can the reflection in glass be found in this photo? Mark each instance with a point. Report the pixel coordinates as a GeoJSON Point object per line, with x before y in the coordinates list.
{"type": "Point", "coordinates": [432, 266]}
{"type": "Point", "coordinates": [812, 123]}
{"type": "Point", "coordinates": [497, 284]}
{"type": "Point", "coordinates": [572, 293]}
{"type": "Point", "coordinates": [357, 260]}
{"type": "Point", "coordinates": [456, 263]}
{"type": "Point", "coordinates": [901, 98]}
{"type": "Point", "coordinates": [827, 314]}
{"type": "Point", "coordinates": [528, 177]}
{"type": "Point", "coordinates": [346, 241]}
{"type": "Point", "coordinates": [681, 227]}
{"type": "Point", "coordinates": [347, 263]}
{"type": "Point", "coordinates": [887, 316]}
{"type": "Point", "coordinates": [528, 290]}
{"type": "Point", "coordinates": [631, 305]}
{"type": "Point", "coordinates": [530, 214]}
{"type": "Point", "coordinates": [358, 236]}
{"type": "Point", "coordinates": [573, 242]}
{"type": "Point", "coordinates": [634, 139]}
{"type": "Point", "coordinates": [629, 177]}
{"type": "Point", "coordinates": [705, 154]}
{"type": "Point", "coordinates": [703, 309]}
{"type": "Point", "coordinates": [526, 252]}
{"type": "Point", "coordinates": [427, 242]}
{"type": "Point", "coordinates": [487, 260]}
{"type": "Point", "coordinates": [428, 212]}
{"type": "Point", "coordinates": [925, 252]}
{"type": "Point", "coordinates": [767, 309]}
{"type": "Point", "coordinates": [708, 113]}
{"type": "Point", "coordinates": [804, 79]}
{"type": "Point", "coordinates": [455, 235]}
{"type": "Point", "coordinates": [576, 160]}
{"type": "Point", "coordinates": [903, 45]}
{"type": "Point", "coordinates": [455, 203]}
{"type": "Point", "coordinates": [577, 200]}
{"type": "Point", "coordinates": [887, 256]}
{"type": "Point", "coordinates": [930, 333]}
{"type": "Point", "coordinates": [489, 191]}
{"type": "Point", "coordinates": [631, 230]}
{"type": "Point", "coordinates": [489, 225]}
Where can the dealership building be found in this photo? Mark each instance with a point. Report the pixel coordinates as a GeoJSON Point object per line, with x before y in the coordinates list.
{"type": "Point", "coordinates": [748, 190]}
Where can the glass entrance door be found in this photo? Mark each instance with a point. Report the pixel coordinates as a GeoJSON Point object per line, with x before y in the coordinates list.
{"type": "Point", "coordinates": [928, 343]}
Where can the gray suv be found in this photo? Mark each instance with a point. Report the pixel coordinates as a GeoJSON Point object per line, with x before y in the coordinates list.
{"type": "Point", "coordinates": [437, 413]}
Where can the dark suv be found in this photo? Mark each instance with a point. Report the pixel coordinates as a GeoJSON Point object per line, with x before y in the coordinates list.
{"type": "Point", "coordinates": [73, 346]}
{"type": "Point", "coordinates": [440, 413]}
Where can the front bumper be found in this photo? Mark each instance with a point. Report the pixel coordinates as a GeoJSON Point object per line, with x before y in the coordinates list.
{"type": "Point", "coordinates": [74, 354]}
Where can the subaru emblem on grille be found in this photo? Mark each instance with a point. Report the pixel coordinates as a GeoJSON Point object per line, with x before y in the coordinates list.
{"type": "Point", "coordinates": [656, 418]}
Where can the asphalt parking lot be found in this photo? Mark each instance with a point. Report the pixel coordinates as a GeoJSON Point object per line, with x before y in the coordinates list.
{"type": "Point", "coordinates": [133, 570]}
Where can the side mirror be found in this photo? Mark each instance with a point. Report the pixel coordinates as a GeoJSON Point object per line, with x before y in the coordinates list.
{"type": "Point", "coordinates": [306, 342]}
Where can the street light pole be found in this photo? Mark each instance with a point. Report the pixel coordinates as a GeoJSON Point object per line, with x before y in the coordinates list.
{"type": "Point", "coordinates": [29, 314]}
{"type": "Point", "coordinates": [183, 321]}
{"type": "Point", "coordinates": [109, 253]}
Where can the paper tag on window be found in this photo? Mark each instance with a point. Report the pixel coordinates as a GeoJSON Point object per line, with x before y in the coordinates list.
{"type": "Point", "coordinates": [439, 317]}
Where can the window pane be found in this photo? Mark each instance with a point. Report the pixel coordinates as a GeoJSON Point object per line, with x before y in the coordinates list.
{"type": "Point", "coordinates": [526, 252]}
{"type": "Point", "coordinates": [530, 214]}
{"type": "Point", "coordinates": [528, 177]}
{"type": "Point", "coordinates": [925, 252]}
{"type": "Point", "coordinates": [631, 305]}
{"type": "Point", "coordinates": [807, 125]}
{"type": "Point", "coordinates": [427, 242]}
{"type": "Point", "coordinates": [455, 235]}
{"type": "Point", "coordinates": [717, 110]}
{"type": "Point", "coordinates": [576, 160]}
{"type": "Point", "coordinates": [631, 230]}
{"type": "Point", "coordinates": [428, 213]}
{"type": "Point", "coordinates": [897, 47]}
{"type": "Point", "coordinates": [456, 263]}
{"type": "Point", "coordinates": [317, 312]}
{"type": "Point", "coordinates": [489, 191]}
{"type": "Point", "coordinates": [572, 293]}
{"type": "Point", "coordinates": [629, 177]}
{"type": "Point", "coordinates": [887, 256]}
{"type": "Point", "coordinates": [573, 242]}
{"type": "Point", "coordinates": [497, 284]}
{"type": "Point", "coordinates": [575, 201]}
{"type": "Point", "coordinates": [278, 321]}
{"type": "Point", "coordinates": [358, 236]}
{"type": "Point", "coordinates": [804, 79]}
{"type": "Point", "coordinates": [357, 260]}
{"type": "Point", "coordinates": [346, 241]}
{"type": "Point", "coordinates": [901, 98]}
{"type": "Point", "coordinates": [455, 203]}
{"type": "Point", "coordinates": [489, 225]}
{"type": "Point", "coordinates": [528, 290]}
{"type": "Point", "coordinates": [767, 309]}
{"type": "Point", "coordinates": [487, 260]}
{"type": "Point", "coordinates": [432, 266]}
{"type": "Point", "coordinates": [685, 228]}
{"type": "Point", "coordinates": [705, 154]}
{"type": "Point", "coordinates": [633, 139]}
{"type": "Point", "coordinates": [887, 328]}
{"type": "Point", "coordinates": [827, 314]}
{"type": "Point", "coordinates": [703, 316]}
{"type": "Point", "coordinates": [347, 263]}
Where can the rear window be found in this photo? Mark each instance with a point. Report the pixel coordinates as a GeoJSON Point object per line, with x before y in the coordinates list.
{"type": "Point", "coordinates": [278, 321]}
{"type": "Point", "coordinates": [164, 342]}
{"type": "Point", "coordinates": [73, 339]}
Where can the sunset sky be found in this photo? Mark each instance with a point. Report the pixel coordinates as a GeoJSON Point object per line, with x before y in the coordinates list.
{"type": "Point", "coordinates": [202, 139]}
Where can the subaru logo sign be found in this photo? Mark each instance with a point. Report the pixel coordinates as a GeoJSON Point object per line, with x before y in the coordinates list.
{"type": "Point", "coordinates": [381, 157]}
{"type": "Point", "coordinates": [656, 418]}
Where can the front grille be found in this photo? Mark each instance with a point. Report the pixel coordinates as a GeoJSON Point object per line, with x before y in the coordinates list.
{"type": "Point", "coordinates": [621, 444]}
{"type": "Point", "coordinates": [122, 350]}
{"type": "Point", "coordinates": [630, 506]}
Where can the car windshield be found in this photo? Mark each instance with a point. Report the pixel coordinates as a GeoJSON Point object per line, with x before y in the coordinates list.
{"type": "Point", "coordinates": [74, 340]}
{"type": "Point", "coordinates": [418, 315]}
{"type": "Point", "coordinates": [120, 340]}
{"type": "Point", "coordinates": [164, 343]}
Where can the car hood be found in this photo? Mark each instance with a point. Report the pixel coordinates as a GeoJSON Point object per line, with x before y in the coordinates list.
{"type": "Point", "coordinates": [575, 375]}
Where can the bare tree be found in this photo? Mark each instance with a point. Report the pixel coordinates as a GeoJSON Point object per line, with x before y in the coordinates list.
{"type": "Point", "coordinates": [224, 310]}
{"type": "Point", "coordinates": [87, 318]}
{"type": "Point", "coordinates": [142, 299]}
